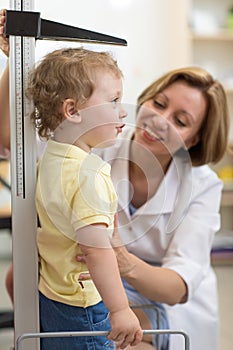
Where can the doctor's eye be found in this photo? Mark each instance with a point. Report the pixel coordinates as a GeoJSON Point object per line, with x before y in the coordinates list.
{"type": "Point", "coordinates": [180, 122]}
{"type": "Point", "coordinates": [158, 104]}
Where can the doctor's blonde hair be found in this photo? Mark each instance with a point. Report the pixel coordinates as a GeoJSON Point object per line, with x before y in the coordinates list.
{"type": "Point", "coordinates": [214, 130]}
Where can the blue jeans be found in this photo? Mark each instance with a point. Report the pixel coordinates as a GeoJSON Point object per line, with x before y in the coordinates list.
{"type": "Point", "coordinates": [59, 317]}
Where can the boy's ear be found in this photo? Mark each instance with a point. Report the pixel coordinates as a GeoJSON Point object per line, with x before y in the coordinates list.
{"type": "Point", "coordinates": [70, 111]}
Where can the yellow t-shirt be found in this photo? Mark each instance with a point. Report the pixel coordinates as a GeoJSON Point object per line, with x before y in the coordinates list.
{"type": "Point", "coordinates": [74, 189]}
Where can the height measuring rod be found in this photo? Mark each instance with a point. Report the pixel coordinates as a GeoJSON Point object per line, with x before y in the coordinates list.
{"type": "Point", "coordinates": [23, 179]}
{"type": "Point", "coordinates": [23, 26]}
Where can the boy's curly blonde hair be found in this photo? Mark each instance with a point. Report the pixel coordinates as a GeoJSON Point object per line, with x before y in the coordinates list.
{"type": "Point", "coordinates": [65, 73]}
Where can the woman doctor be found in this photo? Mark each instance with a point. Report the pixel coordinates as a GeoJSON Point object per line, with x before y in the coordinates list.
{"type": "Point", "coordinates": [169, 203]}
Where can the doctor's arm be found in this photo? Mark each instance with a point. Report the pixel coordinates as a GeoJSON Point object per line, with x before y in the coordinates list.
{"type": "Point", "coordinates": [155, 283]}
{"type": "Point", "coordinates": [4, 109]}
{"type": "Point", "coordinates": [4, 90]}
{"type": "Point", "coordinates": [187, 258]}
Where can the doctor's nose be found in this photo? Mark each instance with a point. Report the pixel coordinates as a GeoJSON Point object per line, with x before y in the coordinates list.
{"type": "Point", "coordinates": [160, 122]}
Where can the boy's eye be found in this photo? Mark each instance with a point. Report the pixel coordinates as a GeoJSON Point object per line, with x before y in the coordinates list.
{"type": "Point", "coordinates": [115, 100]}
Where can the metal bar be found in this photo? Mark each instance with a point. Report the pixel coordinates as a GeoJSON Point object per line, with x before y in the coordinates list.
{"type": "Point", "coordinates": [23, 179]}
{"type": "Point", "coordinates": [97, 333]}
{"type": "Point", "coordinates": [22, 23]}
{"type": "Point", "coordinates": [26, 23]}
{"type": "Point", "coordinates": [58, 31]}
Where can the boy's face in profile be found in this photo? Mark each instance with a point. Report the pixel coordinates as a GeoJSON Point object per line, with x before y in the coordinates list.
{"type": "Point", "coordinates": [99, 121]}
{"type": "Point", "coordinates": [103, 113]}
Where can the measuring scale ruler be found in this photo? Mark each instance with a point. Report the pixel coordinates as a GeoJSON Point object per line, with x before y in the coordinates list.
{"type": "Point", "coordinates": [23, 180]}
{"type": "Point", "coordinates": [23, 28]}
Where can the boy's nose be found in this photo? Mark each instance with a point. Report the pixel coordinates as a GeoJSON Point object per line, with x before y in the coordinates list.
{"type": "Point", "coordinates": [123, 113]}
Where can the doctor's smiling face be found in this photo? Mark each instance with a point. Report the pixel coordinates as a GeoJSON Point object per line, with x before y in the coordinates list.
{"type": "Point", "coordinates": [172, 119]}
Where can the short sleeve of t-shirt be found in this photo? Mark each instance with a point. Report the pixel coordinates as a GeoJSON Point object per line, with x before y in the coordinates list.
{"type": "Point", "coordinates": [95, 200]}
{"type": "Point", "coordinates": [88, 194]}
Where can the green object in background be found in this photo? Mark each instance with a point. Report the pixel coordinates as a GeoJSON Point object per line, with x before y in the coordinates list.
{"type": "Point", "coordinates": [230, 18]}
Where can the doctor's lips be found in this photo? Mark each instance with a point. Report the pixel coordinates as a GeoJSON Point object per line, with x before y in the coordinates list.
{"type": "Point", "coordinates": [153, 136]}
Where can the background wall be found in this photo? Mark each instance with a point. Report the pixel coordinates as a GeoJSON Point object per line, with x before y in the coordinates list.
{"type": "Point", "coordinates": [158, 40]}
{"type": "Point", "coordinates": [156, 32]}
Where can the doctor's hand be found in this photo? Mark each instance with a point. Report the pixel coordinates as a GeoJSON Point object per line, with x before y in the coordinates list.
{"type": "Point", "coordinates": [83, 276]}
{"type": "Point", "coordinates": [116, 241]}
{"type": "Point", "coordinates": [125, 259]}
{"type": "Point", "coordinates": [4, 42]}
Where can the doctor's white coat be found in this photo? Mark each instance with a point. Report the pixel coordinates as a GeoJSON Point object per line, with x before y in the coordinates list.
{"type": "Point", "coordinates": [175, 229]}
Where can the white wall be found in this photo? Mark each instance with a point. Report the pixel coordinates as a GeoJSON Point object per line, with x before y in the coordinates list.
{"type": "Point", "coordinates": [156, 32]}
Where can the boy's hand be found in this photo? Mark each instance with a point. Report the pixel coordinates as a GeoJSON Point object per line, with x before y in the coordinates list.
{"type": "Point", "coordinates": [4, 42]}
{"type": "Point", "coordinates": [125, 328]}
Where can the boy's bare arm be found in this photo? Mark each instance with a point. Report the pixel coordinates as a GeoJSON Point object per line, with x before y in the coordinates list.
{"type": "Point", "coordinates": [103, 268]}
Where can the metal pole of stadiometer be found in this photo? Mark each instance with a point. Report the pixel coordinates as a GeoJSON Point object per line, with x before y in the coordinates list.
{"type": "Point", "coordinates": [23, 30]}
{"type": "Point", "coordinates": [23, 180]}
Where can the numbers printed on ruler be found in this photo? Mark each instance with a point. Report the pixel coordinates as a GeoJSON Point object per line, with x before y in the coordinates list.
{"type": "Point", "coordinates": [23, 62]}
{"type": "Point", "coordinates": [19, 120]}
{"type": "Point", "coordinates": [23, 107]}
